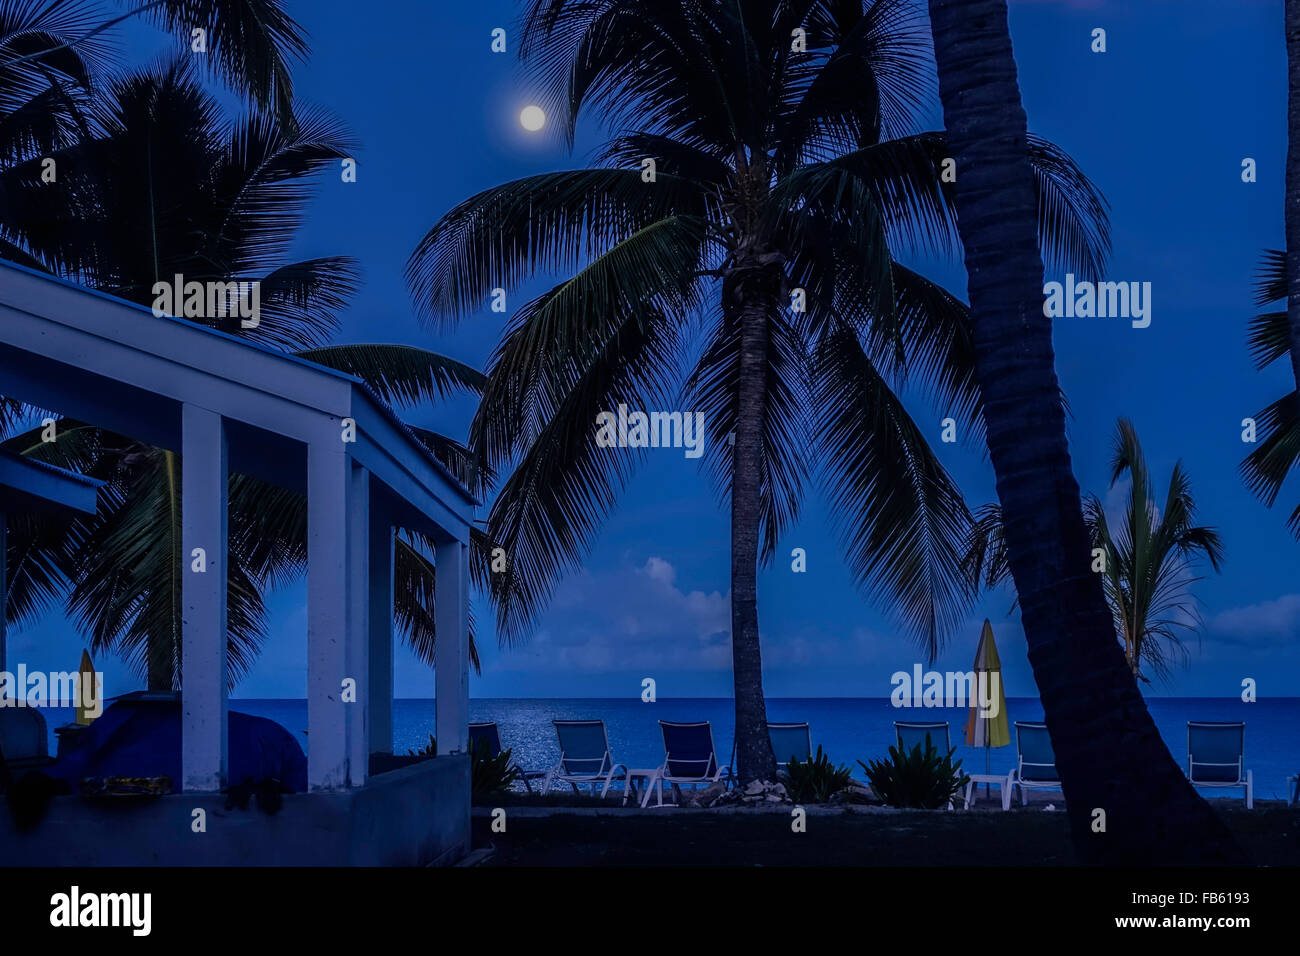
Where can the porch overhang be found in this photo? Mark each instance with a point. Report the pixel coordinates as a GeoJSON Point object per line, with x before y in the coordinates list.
{"type": "Point", "coordinates": [225, 404]}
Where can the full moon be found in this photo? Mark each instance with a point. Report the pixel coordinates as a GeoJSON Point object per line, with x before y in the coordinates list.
{"type": "Point", "coordinates": [532, 118]}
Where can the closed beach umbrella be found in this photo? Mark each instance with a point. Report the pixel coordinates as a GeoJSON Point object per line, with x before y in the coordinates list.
{"type": "Point", "coordinates": [988, 731]}
{"type": "Point", "coordinates": [88, 687]}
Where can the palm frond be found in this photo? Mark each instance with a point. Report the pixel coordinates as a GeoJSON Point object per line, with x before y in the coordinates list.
{"type": "Point", "coordinates": [262, 184]}
{"type": "Point", "coordinates": [904, 178]}
{"type": "Point", "coordinates": [549, 222]}
{"type": "Point", "coordinates": [928, 338]}
{"type": "Point", "coordinates": [415, 581]}
{"type": "Point", "coordinates": [467, 468]}
{"type": "Point", "coordinates": [550, 342]}
{"type": "Point", "coordinates": [985, 561]}
{"type": "Point", "coordinates": [901, 518]}
{"type": "Point", "coordinates": [881, 47]}
{"type": "Point", "coordinates": [549, 509]}
{"type": "Point", "coordinates": [41, 41]}
{"type": "Point", "coordinates": [1278, 449]}
{"type": "Point", "coordinates": [251, 44]}
{"type": "Point", "coordinates": [401, 374]}
{"type": "Point", "coordinates": [1270, 279]}
{"type": "Point", "coordinates": [681, 62]}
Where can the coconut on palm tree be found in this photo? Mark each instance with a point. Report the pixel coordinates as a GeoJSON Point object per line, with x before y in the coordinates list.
{"type": "Point", "coordinates": [166, 185]}
{"type": "Point", "coordinates": [1108, 751]}
{"type": "Point", "coordinates": [735, 250]}
{"type": "Point", "coordinates": [1147, 558]}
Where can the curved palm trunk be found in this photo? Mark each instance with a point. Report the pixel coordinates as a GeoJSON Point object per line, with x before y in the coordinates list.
{"type": "Point", "coordinates": [751, 291]}
{"type": "Point", "coordinates": [1108, 751]}
{"type": "Point", "coordinates": [1293, 183]}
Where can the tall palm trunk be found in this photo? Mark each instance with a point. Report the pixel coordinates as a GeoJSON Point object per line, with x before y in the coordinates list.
{"type": "Point", "coordinates": [163, 655]}
{"type": "Point", "coordinates": [1108, 752]}
{"type": "Point", "coordinates": [1293, 183]}
{"type": "Point", "coordinates": [750, 291]}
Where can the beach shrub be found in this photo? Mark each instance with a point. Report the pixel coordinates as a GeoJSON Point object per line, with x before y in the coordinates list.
{"type": "Point", "coordinates": [490, 774]}
{"type": "Point", "coordinates": [816, 779]}
{"type": "Point", "coordinates": [429, 750]}
{"type": "Point", "coordinates": [918, 778]}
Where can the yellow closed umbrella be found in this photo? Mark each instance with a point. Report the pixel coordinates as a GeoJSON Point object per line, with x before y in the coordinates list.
{"type": "Point", "coordinates": [987, 725]}
{"type": "Point", "coordinates": [88, 687]}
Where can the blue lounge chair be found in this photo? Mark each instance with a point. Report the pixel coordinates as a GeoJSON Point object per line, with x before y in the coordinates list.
{"type": "Point", "coordinates": [485, 734]}
{"type": "Point", "coordinates": [912, 734]}
{"type": "Point", "coordinates": [584, 757]}
{"type": "Point", "coordinates": [1035, 762]}
{"type": "Point", "coordinates": [790, 741]}
{"type": "Point", "coordinates": [1216, 756]}
{"type": "Point", "coordinates": [689, 759]}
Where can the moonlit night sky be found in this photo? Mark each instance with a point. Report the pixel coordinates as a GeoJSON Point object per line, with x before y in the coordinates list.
{"type": "Point", "coordinates": [1161, 122]}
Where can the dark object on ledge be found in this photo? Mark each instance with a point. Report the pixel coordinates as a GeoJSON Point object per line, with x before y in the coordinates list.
{"type": "Point", "coordinates": [69, 737]}
{"type": "Point", "coordinates": [268, 793]}
{"type": "Point", "coordinates": [125, 788]}
{"type": "Point", "coordinates": [139, 735]}
{"type": "Point", "coordinates": [29, 796]}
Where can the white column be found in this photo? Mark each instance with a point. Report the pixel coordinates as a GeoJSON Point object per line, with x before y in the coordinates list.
{"type": "Point", "coordinates": [204, 758]}
{"type": "Point", "coordinates": [329, 488]}
{"type": "Point", "coordinates": [381, 630]}
{"type": "Point", "coordinates": [357, 635]}
{"type": "Point", "coordinates": [451, 648]}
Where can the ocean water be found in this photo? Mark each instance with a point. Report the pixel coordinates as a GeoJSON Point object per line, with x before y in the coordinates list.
{"type": "Point", "coordinates": [848, 729]}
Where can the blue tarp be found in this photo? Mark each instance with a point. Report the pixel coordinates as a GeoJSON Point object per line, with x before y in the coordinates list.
{"type": "Point", "coordinates": [142, 738]}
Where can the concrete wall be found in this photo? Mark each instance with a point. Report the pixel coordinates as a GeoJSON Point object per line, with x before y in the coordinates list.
{"type": "Point", "coordinates": [409, 817]}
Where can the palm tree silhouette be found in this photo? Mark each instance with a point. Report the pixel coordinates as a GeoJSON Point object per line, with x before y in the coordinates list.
{"type": "Point", "coordinates": [1291, 261]}
{"type": "Point", "coordinates": [247, 43]}
{"type": "Point", "coordinates": [1148, 556]}
{"type": "Point", "coordinates": [748, 213]}
{"type": "Point", "coordinates": [1108, 752]}
{"type": "Point", "coordinates": [1277, 451]}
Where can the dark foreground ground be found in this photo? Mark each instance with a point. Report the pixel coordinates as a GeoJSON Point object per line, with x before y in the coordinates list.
{"type": "Point", "coordinates": [670, 837]}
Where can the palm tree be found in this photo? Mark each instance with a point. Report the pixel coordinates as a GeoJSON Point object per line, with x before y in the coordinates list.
{"type": "Point", "coordinates": [748, 214]}
{"type": "Point", "coordinates": [1108, 751]}
{"type": "Point", "coordinates": [1277, 452]}
{"type": "Point", "coordinates": [214, 201]}
{"type": "Point", "coordinates": [1149, 556]}
{"type": "Point", "coordinates": [1291, 286]}
{"type": "Point", "coordinates": [249, 43]}
{"type": "Point", "coordinates": [43, 89]}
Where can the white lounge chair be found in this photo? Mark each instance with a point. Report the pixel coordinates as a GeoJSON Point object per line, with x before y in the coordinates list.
{"type": "Point", "coordinates": [1035, 763]}
{"type": "Point", "coordinates": [689, 759]}
{"type": "Point", "coordinates": [584, 757]}
{"type": "Point", "coordinates": [1216, 756]}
